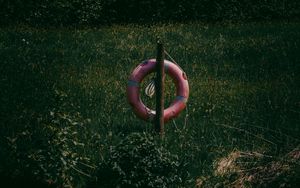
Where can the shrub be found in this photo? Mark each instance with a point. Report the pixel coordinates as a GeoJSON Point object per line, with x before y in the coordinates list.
{"type": "Point", "coordinates": [51, 148]}
{"type": "Point", "coordinates": [138, 161]}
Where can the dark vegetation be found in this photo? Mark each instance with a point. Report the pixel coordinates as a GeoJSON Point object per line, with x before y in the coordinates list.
{"type": "Point", "coordinates": [95, 12]}
{"type": "Point", "coordinates": [65, 122]}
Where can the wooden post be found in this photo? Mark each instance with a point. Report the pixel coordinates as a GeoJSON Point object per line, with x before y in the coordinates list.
{"type": "Point", "coordinates": [159, 87]}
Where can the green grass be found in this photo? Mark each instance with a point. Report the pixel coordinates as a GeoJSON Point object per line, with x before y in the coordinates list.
{"type": "Point", "coordinates": [244, 92]}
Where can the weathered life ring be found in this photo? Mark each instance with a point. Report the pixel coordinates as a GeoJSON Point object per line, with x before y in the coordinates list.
{"type": "Point", "coordinates": [133, 91]}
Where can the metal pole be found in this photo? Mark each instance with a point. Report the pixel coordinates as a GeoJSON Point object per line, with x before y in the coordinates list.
{"type": "Point", "coordinates": [159, 87]}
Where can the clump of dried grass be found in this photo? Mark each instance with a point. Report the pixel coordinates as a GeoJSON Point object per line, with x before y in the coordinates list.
{"type": "Point", "coordinates": [253, 169]}
{"type": "Point", "coordinates": [227, 164]}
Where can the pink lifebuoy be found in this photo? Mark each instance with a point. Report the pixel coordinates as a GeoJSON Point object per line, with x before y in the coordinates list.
{"type": "Point", "coordinates": [133, 90]}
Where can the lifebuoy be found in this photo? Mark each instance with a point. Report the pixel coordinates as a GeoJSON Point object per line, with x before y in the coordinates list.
{"type": "Point", "coordinates": [133, 90]}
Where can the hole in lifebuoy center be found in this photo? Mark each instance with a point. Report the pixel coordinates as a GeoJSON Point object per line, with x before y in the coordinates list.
{"type": "Point", "coordinates": [169, 91]}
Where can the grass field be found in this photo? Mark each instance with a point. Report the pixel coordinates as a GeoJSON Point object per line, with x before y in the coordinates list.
{"type": "Point", "coordinates": [65, 119]}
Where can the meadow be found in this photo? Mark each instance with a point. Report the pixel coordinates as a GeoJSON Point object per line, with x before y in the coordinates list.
{"type": "Point", "coordinates": [65, 121]}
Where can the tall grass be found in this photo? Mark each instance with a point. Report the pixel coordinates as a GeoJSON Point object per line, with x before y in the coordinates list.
{"type": "Point", "coordinates": [244, 95]}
